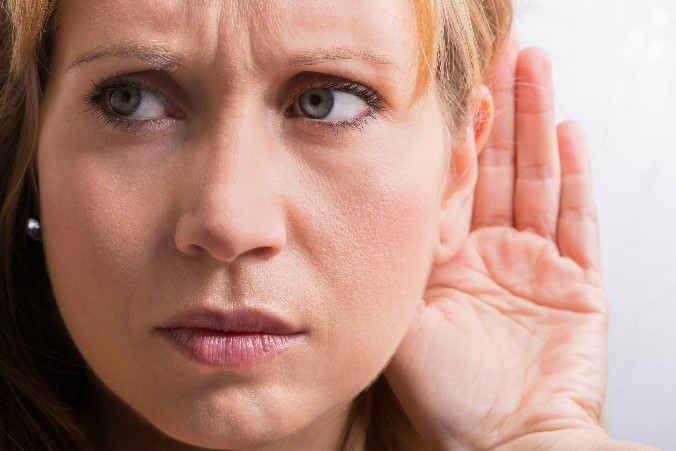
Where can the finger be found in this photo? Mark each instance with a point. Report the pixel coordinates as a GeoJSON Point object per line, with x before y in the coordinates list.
{"type": "Point", "coordinates": [578, 223]}
{"type": "Point", "coordinates": [538, 173]}
{"type": "Point", "coordinates": [493, 198]}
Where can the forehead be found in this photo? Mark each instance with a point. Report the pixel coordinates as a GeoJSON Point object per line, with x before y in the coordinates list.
{"type": "Point", "coordinates": [255, 32]}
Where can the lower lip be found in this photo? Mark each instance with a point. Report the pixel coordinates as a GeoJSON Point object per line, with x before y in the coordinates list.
{"type": "Point", "coordinates": [232, 350]}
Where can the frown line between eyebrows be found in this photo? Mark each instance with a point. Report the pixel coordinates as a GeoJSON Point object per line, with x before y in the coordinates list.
{"type": "Point", "coordinates": [159, 57]}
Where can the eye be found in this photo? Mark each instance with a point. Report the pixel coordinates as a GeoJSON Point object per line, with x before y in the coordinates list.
{"type": "Point", "coordinates": [136, 100]}
{"type": "Point", "coordinates": [135, 103]}
{"type": "Point", "coordinates": [329, 105]}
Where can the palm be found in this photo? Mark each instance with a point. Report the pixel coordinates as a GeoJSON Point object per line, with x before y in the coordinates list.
{"type": "Point", "coordinates": [523, 343]}
{"type": "Point", "coordinates": [510, 337]}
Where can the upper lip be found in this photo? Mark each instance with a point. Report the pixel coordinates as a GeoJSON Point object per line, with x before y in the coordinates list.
{"type": "Point", "coordinates": [244, 321]}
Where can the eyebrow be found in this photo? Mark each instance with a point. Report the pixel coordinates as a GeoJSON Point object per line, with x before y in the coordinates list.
{"type": "Point", "coordinates": [155, 56]}
{"type": "Point", "coordinates": [163, 58]}
{"type": "Point", "coordinates": [311, 57]}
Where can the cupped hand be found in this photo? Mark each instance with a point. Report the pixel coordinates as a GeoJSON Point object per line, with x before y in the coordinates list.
{"type": "Point", "coordinates": [510, 340]}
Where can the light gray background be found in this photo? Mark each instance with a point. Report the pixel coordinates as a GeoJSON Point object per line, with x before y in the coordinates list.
{"type": "Point", "coordinates": [615, 72]}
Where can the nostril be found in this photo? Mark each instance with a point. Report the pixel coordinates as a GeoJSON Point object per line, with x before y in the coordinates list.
{"type": "Point", "coordinates": [227, 239]}
{"type": "Point", "coordinates": [264, 253]}
{"type": "Point", "coordinates": [193, 250]}
{"type": "Point", "coordinates": [232, 213]}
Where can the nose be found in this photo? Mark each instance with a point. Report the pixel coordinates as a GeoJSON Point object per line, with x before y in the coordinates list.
{"type": "Point", "coordinates": [232, 205]}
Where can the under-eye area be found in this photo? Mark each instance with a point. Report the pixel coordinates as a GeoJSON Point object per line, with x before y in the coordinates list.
{"type": "Point", "coordinates": [269, 225]}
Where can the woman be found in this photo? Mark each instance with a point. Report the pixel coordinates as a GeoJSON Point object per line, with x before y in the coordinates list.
{"type": "Point", "coordinates": [246, 214]}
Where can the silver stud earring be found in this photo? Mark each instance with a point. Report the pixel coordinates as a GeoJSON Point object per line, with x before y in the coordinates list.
{"type": "Point", "coordinates": [33, 229]}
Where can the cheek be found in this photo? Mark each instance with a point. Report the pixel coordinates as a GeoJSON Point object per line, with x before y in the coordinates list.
{"type": "Point", "coordinates": [373, 236]}
{"type": "Point", "coordinates": [360, 236]}
{"type": "Point", "coordinates": [101, 232]}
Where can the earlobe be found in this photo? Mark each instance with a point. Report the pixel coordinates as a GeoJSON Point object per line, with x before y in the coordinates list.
{"type": "Point", "coordinates": [451, 236]}
{"type": "Point", "coordinates": [455, 215]}
{"type": "Point", "coordinates": [456, 207]}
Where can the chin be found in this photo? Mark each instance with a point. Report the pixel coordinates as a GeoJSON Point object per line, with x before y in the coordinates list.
{"type": "Point", "coordinates": [237, 423]}
{"type": "Point", "coordinates": [234, 439]}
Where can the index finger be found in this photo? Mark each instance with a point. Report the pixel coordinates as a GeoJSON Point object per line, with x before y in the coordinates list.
{"type": "Point", "coordinates": [493, 200]}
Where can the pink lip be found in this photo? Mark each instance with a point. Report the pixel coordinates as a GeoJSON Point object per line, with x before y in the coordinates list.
{"type": "Point", "coordinates": [234, 339]}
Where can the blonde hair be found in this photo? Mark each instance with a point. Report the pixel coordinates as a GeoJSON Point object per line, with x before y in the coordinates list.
{"type": "Point", "coordinates": [40, 367]}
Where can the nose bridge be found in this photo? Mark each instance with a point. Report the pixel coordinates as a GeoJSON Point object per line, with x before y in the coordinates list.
{"type": "Point", "coordinates": [232, 164]}
{"type": "Point", "coordinates": [235, 205]}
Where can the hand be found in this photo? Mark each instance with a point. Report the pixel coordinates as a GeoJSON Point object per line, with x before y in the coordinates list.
{"type": "Point", "coordinates": [510, 341]}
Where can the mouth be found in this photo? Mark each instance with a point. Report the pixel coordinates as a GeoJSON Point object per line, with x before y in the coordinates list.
{"type": "Point", "coordinates": [238, 339]}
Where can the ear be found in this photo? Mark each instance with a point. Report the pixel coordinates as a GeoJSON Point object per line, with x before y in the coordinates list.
{"type": "Point", "coordinates": [458, 196]}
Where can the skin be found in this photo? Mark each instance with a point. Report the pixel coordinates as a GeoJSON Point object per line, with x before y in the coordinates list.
{"type": "Point", "coordinates": [510, 340]}
{"type": "Point", "coordinates": [359, 236]}
{"type": "Point", "coordinates": [229, 201]}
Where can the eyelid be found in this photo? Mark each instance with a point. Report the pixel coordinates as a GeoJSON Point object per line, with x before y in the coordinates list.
{"type": "Point", "coordinates": [97, 96]}
{"type": "Point", "coordinates": [376, 103]}
{"type": "Point", "coordinates": [104, 86]}
{"type": "Point", "coordinates": [320, 81]}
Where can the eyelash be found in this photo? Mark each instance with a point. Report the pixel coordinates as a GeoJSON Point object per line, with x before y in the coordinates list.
{"type": "Point", "coordinates": [372, 98]}
{"type": "Point", "coordinates": [97, 98]}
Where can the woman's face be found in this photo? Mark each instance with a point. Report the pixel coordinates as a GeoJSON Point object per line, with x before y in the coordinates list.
{"type": "Point", "coordinates": [239, 205]}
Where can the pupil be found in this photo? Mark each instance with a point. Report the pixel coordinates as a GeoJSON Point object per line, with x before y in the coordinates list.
{"type": "Point", "coordinates": [316, 103]}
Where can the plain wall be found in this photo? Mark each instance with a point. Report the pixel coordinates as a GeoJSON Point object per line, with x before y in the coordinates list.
{"type": "Point", "coordinates": [615, 72]}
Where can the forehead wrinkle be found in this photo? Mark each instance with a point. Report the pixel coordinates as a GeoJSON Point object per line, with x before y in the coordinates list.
{"type": "Point", "coordinates": [267, 25]}
{"type": "Point", "coordinates": [165, 12]}
{"type": "Point", "coordinates": [277, 26]}
{"type": "Point", "coordinates": [167, 15]}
